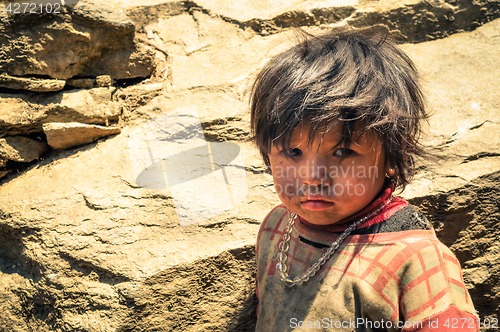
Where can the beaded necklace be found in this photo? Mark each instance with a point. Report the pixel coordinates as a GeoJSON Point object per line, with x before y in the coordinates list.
{"type": "Point", "coordinates": [284, 246]}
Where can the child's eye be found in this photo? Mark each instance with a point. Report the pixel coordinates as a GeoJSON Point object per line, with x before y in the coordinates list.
{"type": "Point", "coordinates": [343, 152]}
{"type": "Point", "coordinates": [295, 152]}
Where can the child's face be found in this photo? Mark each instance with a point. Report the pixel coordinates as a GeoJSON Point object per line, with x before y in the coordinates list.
{"type": "Point", "coordinates": [320, 188]}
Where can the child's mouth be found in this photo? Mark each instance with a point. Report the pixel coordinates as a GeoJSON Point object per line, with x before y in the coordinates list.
{"type": "Point", "coordinates": [316, 204]}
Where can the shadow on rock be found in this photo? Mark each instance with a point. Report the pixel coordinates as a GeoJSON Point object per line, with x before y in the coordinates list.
{"type": "Point", "coordinates": [213, 294]}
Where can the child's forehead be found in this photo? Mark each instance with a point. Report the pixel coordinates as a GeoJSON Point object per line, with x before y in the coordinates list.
{"type": "Point", "coordinates": [326, 133]}
{"type": "Point", "coordinates": [303, 132]}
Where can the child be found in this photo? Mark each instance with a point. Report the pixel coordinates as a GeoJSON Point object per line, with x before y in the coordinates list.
{"type": "Point", "coordinates": [337, 119]}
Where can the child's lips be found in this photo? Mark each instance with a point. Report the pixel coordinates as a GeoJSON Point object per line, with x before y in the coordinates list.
{"type": "Point", "coordinates": [316, 203]}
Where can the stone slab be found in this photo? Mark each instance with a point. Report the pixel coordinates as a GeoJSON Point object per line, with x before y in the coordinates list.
{"type": "Point", "coordinates": [21, 149]}
{"type": "Point", "coordinates": [23, 113]}
{"type": "Point", "coordinates": [67, 135]}
{"type": "Point", "coordinates": [30, 84]}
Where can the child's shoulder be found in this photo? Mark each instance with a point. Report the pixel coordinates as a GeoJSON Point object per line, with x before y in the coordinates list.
{"type": "Point", "coordinates": [406, 218]}
{"type": "Point", "coordinates": [274, 222]}
{"type": "Point", "coordinates": [276, 216]}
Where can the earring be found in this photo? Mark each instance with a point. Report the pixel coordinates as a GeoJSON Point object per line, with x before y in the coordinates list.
{"type": "Point", "coordinates": [391, 172]}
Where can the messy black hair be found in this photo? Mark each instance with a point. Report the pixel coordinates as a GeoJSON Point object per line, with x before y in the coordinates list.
{"type": "Point", "coordinates": [345, 76]}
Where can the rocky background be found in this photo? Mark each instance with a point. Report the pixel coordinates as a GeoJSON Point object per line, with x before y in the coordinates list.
{"type": "Point", "coordinates": [84, 248]}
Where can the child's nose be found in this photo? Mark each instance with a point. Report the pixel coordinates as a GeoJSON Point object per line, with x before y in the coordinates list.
{"type": "Point", "coordinates": [314, 173]}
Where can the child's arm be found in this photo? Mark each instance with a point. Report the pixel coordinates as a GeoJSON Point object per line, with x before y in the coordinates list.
{"type": "Point", "coordinates": [434, 293]}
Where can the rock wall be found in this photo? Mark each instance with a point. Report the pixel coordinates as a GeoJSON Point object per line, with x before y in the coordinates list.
{"type": "Point", "coordinates": [83, 247]}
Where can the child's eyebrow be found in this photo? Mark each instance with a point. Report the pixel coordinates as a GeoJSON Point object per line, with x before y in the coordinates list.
{"type": "Point", "coordinates": [355, 142]}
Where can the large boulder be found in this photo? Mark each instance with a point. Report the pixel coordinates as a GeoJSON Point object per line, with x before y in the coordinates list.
{"type": "Point", "coordinates": [99, 237]}
{"type": "Point", "coordinates": [88, 39]}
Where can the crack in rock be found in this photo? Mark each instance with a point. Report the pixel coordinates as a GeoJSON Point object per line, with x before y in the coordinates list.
{"type": "Point", "coordinates": [86, 267]}
{"type": "Point", "coordinates": [480, 155]}
{"type": "Point", "coordinates": [292, 19]}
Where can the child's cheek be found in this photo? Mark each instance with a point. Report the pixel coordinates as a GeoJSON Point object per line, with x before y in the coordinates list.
{"type": "Point", "coordinates": [286, 187]}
